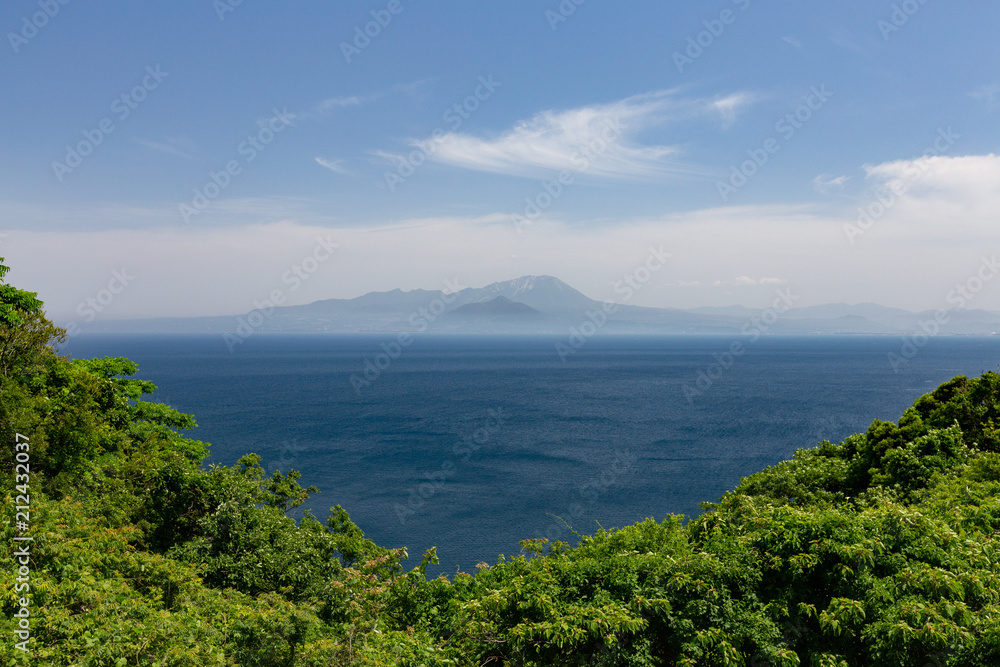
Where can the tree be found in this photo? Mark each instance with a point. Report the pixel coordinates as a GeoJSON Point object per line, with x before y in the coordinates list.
{"type": "Point", "coordinates": [15, 303]}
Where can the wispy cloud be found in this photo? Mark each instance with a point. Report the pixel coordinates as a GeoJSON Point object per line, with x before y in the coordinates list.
{"type": "Point", "coordinates": [990, 93]}
{"type": "Point", "coordinates": [114, 216]}
{"type": "Point", "coordinates": [729, 107]}
{"type": "Point", "coordinates": [824, 183]}
{"type": "Point", "coordinates": [170, 145]}
{"type": "Point", "coordinates": [412, 87]}
{"type": "Point", "coordinates": [600, 139]}
{"type": "Point", "coordinates": [747, 281]}
{"type": "Point", "coordinates": [329, 105]}
{"type": "Point", "coordinates": [336, 166]}
{"type": "Point", "coordinates": [342, 102]}
{"type": "Point", "coordinates": [845, 40]}
{"type": "Point", "coordinates": [791, 40]}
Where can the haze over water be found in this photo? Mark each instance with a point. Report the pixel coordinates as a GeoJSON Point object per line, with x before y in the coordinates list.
{"type": "Point", "coordinates": [606, 437]}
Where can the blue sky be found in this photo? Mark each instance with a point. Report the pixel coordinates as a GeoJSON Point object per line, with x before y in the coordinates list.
{"type": "Point", "coordinates": [874, 84]}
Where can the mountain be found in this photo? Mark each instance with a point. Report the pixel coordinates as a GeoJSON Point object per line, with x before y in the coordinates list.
{"type": "Point", "coordinates": [727, 311]}
{"type": "Point", "coordinates": [498, 315]}
{"type": "Point", "coordinates": [543, 293]}
{"type": "Point", "coordinates": [544, 304]}
{"type": "Point", "coordinates": [832, 311]}
{"type": "Point", "coordinates": [501, 306]}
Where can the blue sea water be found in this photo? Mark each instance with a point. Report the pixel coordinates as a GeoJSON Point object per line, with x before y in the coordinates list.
{"type": "Point", "coordinates": [473, 443]}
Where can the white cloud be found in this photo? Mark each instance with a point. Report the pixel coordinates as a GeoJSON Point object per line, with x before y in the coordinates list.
{"type": "Point", "coordinates": [241, 211]}
{"type": "Point", "coordinates": [846, 40]}
{"type": "Point", "coordinates": [990, 93]}
{"type": "Point", "coordinates": [824, 183]}
{"type": "Point", "coordinates": [324, 108]}
{"type": "Point", "coordinates": [791, 40]}
{"type": "Point", "coordinates": [744, 281]}
{"type": "Point", "coordinates": [601, 140]}
{"type": "Point", "coordinates": [331, 104]}
{"type": "Point", "coordinates": [961, 192]}
{"type": "Point", "coordinates": [334, 103]}
{"type": "Point", "coordinates": [932, 237]}
{"type": "Point", "coordinates": [729, 107]}
{"type": "Point", "coordinates": [336, 166]}
{"type": "Point", "coordinates": [172, 146]}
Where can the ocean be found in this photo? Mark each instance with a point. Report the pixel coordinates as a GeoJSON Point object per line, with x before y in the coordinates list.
{"type": "Point", "coordinates": [472, 443]}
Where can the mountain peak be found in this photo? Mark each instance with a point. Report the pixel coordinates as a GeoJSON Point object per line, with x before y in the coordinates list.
{"type": "Point", "coordinates": [530, 282]}
{"type": "Point", "coordinates": [544, 293]}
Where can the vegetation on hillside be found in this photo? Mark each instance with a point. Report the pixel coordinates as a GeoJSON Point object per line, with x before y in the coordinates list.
{"type": "Point", "coordinates": [879, 550]}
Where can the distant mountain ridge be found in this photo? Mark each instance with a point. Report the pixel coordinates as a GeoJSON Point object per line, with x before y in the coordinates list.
{"type": "Point", "coordinates": [498, 306]}
{"type": "Point", "coordinates": [545, 304]}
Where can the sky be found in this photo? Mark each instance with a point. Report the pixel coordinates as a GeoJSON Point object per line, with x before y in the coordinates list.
{"type": "Point", "coordinates": [182, 158]}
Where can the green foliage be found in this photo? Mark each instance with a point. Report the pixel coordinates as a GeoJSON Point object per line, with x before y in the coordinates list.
{"type": "Point", "coordinates": [911, 466]}
{"type": "Point", "coordinates": [242, 538]}
{"type": "Point", "coordinates": [878, 550]}
{"type": "Point", "coordinates": [15, 304]}
{"type": "Point", "coordinates": [812, 477]}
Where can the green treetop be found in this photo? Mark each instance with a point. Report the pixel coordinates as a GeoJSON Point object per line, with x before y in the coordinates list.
{"type": "Point", "coordinates": [15, 303]}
